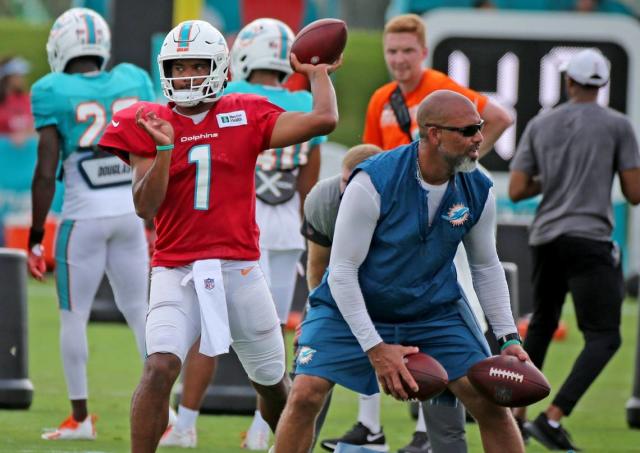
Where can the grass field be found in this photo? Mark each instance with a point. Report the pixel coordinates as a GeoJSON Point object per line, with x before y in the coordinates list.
{"type": "Point", "coordinates": [598, 424]}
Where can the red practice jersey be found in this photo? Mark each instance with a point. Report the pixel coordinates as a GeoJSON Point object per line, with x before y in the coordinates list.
{"type": "Point", "coordinates": [209, 208]}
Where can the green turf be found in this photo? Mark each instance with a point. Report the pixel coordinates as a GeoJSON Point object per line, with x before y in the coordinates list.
{"type": "Point", "coordinates": [598, 423]}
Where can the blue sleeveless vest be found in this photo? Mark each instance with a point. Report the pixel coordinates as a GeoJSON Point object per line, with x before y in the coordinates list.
{"type": "Point", "coordinates": [409, 267]}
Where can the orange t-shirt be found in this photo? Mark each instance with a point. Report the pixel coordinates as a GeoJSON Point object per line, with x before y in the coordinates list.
{"type": "Point", "coordinates": [381, 127]}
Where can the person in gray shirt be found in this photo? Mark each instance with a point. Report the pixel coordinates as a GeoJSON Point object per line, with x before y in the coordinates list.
{"type": "Point", "coordinates": [570, 155]}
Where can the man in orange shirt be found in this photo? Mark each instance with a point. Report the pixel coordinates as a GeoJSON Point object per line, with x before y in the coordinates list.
{"type": "Point", "coordinates": [391, 122]}
{"type": "Point", "coordinates": [405, 49]}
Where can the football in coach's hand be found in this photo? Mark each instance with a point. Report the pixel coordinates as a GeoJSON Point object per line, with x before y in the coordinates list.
{"type": "Point", "coordinates": [322, 41]}
{"type": "Point", "coordinates": [430, 376]}
{"type": "Point", "coordinates": [508, 381]}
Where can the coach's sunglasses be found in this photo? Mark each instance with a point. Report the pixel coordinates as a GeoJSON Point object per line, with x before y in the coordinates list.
{"type": "Point", "coordinates": [466, 131]}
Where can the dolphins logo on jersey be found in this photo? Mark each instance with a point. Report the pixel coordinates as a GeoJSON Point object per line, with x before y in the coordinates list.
{"type": "Point", "coordinates": [305, 355]}
{"type": "Point", "coordinates": [458, 214]}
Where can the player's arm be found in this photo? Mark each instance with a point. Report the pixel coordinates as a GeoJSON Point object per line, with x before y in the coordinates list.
{"type": "Point", "coordinates": [489, 280]}
{"type": "Point", "coordinates": [523, 182]}
{"type": "Point", "coordinates": [318, 241]}
{"type": "Point", "coordinates": [150, 178]}
{"type": "Point", "coordinates": [357, 219]}
{"type": "Point", "coordinates": [523, 185]}
{"type": "Point", "coordinates": [496, 121]}
{"type": "Point", "coordinates": [309, 174]}
{"type": "Point", "coordinates": [151, 175]}
{"type": "Point", "coordinates": [317, 263]}
{"type": "Point", "coordinates": [628, 157]}
{"type": "Point", "coordinates": [630, 185]}
{"type": "Point", "coordinates": [43, 188]}
{"type": "Point", "coordinates": [298, 127]}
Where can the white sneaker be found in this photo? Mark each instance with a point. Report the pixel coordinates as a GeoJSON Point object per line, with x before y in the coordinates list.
{"type": "Point", "coordinates": [173, 437]}
{"type": "Point", "coordinates": [70, 429]}
{"type": "Point", "coordinates": [257, 437]}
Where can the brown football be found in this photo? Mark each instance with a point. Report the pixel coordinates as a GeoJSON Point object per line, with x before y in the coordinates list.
{"type": "Point", "coordinates": [507, 381]}
{"type": "Point", "coordinates": [430, 376]}
{"type": "Point", "coordinates": [322, 41]}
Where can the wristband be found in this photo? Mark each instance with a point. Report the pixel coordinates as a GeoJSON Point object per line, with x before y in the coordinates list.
{"type": "Point", "coordinates": [164, 147]}
{"type": "Point", "coordinates": [509, 343]}
{"type": "Point", "coordinates": [35, 236]}
{"type": "Point", "coordinates": [508, 340]}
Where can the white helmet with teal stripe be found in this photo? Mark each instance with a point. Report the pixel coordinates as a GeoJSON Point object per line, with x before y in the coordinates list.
{"type": "Point", "coordinates": [78, 32]}
{"type": "Point", "coordinates": [262, 44]}
{"type": "Point", "coordinates": [194, 39]}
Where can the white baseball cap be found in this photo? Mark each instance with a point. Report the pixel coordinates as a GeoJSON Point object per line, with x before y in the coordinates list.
{"type": "Point", "coordinates": [15, 66]}
{"type": "Point", "coordinates": [589, 67]}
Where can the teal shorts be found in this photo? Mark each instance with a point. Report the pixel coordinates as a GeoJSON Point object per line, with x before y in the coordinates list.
{"type": "Point", "coordinates": [328, 349]}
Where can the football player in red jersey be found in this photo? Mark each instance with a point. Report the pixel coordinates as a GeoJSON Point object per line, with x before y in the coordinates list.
{"type": "Point", "coordinates": [193, 167]}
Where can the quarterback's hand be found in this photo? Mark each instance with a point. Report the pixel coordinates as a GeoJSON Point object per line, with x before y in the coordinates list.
{"type": "Point", "coordinates": [518, 351]}
{"type": "Point", "coordinates": [388, 361]}
{"type": "Point", "coordinates": [150, 233]}
{"type": "Point", "coordinates": [160, 130]}
{"type": "Point", "coordinates": [308, 68]}
{"type": "Point", "coordinates": [35, 262]}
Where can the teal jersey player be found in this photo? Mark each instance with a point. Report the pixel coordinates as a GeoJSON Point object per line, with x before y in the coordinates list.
{"type": "Point", "coordinates": [98, 231]}
{"type": "Point", "coordinates": [80, 105]}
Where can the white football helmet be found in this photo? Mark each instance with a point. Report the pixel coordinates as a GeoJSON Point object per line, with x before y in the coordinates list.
{"type": "Point", "coordinates": [262, 44]}
{"type": "Point", "coordinates": [194, 39]}
{"type": "Point", "coordinates": [78, 32]}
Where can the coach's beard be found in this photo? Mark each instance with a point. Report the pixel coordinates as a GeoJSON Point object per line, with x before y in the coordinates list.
{"type": "Point", "coordinates": [467, 165]}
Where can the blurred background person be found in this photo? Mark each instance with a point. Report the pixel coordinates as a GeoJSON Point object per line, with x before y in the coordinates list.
{"type": "Point", "coordinates": [99, 230]}
{"type": "Point", "coordinates": [15, 106]}
{"type": "Point", "coordinates": [570, 155]}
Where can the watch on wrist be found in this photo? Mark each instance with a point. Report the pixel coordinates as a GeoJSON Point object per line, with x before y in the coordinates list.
{"type": "Point", "coordinates": [509, 339]}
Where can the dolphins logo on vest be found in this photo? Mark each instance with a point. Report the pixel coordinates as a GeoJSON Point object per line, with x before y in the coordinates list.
{"type": "Point", "coordinates": [458, 214]}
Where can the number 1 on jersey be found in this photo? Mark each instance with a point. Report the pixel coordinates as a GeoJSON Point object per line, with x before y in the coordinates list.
{"type": "Point", "coordinates": [201, 156]}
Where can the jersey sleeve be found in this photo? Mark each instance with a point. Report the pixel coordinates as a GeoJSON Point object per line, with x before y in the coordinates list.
{"type": "Point", "coordinates": [264, 114]}
{"type": "Point", "coordinates": [311, 225]}
{"type": "Point", "coordinates": [309, 232]}
{"type": "Point", "coordinates": [123, 136]}
{"type": "Point", "coordinates": [627, 156]}
{"type": "Point", "coordinates": [372, 133]}
{"type": "Point", "coordinates": [43, 104]}
{"type": "Point", "coordinates": [524, 159]}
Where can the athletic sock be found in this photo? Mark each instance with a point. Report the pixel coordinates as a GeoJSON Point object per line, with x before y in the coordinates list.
{"type": "Point", "coordinates": [553, 423]}
{"type": "Point", "coordinates": [369, 412]}
{"type": "Point", "coordinates": [421, 425]}
{"type": "Point", "coordinates": [186, 418]}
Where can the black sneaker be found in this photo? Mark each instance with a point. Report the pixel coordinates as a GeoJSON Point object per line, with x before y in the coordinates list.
{"type": "Point", "coordinates": [523, 432]}
{"type": "Point", "coordinates": [552, 438]}
{"type": "Point", "coordinates": [359, 435]}
{"type": "Point", "coordinates": [419, 444]}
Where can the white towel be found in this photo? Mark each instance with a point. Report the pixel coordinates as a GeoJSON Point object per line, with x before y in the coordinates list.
{"type": "Point", "coordinates": [215, 336]}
